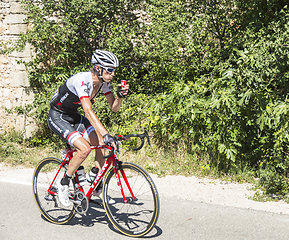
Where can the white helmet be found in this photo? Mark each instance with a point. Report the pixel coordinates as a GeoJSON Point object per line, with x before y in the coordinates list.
{"type": "Point", "coordinates": [104, 59]}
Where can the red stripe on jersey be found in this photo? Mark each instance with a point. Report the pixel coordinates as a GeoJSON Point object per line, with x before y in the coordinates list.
{"type": "Point", "coordinates": [80, 99]}
{"type": "Point", "coordinates": [83, 97]}
{"type": "Point", "coordinates": [85, 129]}
{"type": "Point", "coordinates": [107, 93]}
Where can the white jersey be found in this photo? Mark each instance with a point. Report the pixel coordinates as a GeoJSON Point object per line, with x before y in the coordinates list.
{"type": "Point", "coordinates": [67, 97]}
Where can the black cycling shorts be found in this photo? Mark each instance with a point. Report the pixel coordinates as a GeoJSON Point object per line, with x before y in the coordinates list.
{"type": "Point", "coordinates": [69, 127]}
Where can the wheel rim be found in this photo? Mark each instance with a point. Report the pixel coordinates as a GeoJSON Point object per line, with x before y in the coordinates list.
{"type": "Point", "coordinates": [138, 216]}
{"type": "Point", "coordinates": [48, 203]}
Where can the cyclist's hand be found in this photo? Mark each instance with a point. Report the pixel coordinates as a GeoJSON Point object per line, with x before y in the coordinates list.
{"type": "Point", "coordinates": [108, 140]}
{"type": "Point", "coordinates": [122, 92]}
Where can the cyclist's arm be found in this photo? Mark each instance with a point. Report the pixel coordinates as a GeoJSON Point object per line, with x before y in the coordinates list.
{"type": "Point", "coordinates": [90, 115]}
{"type": "Point", "coordinates": [115, 103]}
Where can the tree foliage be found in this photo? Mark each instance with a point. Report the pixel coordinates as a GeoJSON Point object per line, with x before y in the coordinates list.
{"type": "Point", "coordinates": [235, 105]}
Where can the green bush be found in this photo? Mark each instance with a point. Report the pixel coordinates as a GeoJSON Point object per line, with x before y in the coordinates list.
{"type": "Point", "coordinates": [10, 143]}
{"type": "Point", "coordinates": [237, 113]}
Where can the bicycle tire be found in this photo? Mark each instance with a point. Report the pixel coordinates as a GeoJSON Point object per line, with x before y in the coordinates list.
{"type": "Point", "coordinates": [134, 218]}
{"type": "Point", "coordinates": [48, 204]}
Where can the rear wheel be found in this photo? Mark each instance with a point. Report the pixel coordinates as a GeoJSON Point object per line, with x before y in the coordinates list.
{"type": "Point", "coordinates": [48, 203]}
{"type": "Point", "coordinates": [137, 216]}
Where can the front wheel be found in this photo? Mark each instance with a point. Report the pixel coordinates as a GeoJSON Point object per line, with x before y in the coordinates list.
{"type": "Point", "coordinates": [47, 201]}
{"type": "Point", "coordinates": [137, 215]}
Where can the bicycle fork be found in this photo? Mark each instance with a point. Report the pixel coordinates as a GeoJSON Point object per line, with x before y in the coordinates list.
{"type": "Point", "coordinates": [117, 168]}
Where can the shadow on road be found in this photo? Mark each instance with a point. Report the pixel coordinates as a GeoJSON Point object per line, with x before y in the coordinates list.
{"type": "Point", "coordinates": [96, 215]}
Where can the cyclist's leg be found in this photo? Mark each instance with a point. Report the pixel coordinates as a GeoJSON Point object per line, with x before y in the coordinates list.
{"type": "Point", "coordinates": [96, 139]}
{"type": "Point", "coordinates": [83, 150]}
{"type": "Point", "coordinates": [71, 129]}
{"type": "Point", "coordinates": [67, 126]}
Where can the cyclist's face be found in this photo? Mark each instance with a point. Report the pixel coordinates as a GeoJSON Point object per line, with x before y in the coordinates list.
{"type": "Point", "coordinates": [107, 76]}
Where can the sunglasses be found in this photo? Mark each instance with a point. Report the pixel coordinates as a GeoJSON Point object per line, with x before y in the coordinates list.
{"type": "Point", "coordinates": [109, 70]}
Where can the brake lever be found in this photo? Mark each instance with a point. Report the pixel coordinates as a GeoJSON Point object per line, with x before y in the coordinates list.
{"type": "Point", "coordinates": [146, 133]}
{"type": "Point", "coordinates": [116, 140]}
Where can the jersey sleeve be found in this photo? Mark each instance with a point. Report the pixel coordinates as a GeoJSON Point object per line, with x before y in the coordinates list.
{"type": "Point", "coordinates": [106, 88]}
{"type": "Point", "coordinates": [82, 86]}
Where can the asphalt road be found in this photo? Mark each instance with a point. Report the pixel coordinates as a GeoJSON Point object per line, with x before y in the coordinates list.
{"type": "Point", "coordinates": [179, 219]}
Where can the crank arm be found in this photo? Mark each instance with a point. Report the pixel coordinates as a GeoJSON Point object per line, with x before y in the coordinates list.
{"type": "Point", "coordinates": [77, 202]}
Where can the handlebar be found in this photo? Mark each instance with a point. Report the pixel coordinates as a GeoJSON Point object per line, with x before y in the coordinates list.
{"type": "Point", "coordinates": [110, 154]}
{"type": "Point", "coordinates": [118, 138]}
{"type": "Point", "coordinates": [141, 136]}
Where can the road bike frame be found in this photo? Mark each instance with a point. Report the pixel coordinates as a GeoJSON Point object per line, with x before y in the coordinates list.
{"type": "Point", "coordinates": [112, 159]}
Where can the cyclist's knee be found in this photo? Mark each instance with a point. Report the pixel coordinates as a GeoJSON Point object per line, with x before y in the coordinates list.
{"type": "Point", "coordinates": [83, 147]}
{"type": "Point", "coordinates": [85, 151]}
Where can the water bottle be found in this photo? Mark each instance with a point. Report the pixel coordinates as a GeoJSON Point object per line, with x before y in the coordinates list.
{"type": "Point", "coordinates": [81, 176]}
{"type": "Point", "coordinates": [92, 175]}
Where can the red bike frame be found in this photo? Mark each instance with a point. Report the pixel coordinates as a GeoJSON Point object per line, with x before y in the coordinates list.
{"type": "Point", "coordinates": [113, 159]}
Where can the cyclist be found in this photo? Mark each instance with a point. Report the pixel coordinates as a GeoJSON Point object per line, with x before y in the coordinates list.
{"type": "Point", "coordinates": [77, 130]}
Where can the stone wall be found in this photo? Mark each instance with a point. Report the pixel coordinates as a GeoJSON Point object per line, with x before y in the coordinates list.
{"type": "Point", "coordinates": [14, 85]}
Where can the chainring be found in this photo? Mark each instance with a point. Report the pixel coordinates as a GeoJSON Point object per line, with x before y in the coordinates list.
{"type": "Point", "coordinates": [80, 202]}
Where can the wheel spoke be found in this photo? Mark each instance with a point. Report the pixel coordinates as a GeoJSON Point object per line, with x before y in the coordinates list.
{"type": "Point", "coordinates": [136, 217]}
{"type": "Point", "coordinates": [48, 203]}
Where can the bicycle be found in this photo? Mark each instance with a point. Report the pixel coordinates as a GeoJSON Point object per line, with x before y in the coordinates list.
{"type": "Point", "coordinates": [136, 208]}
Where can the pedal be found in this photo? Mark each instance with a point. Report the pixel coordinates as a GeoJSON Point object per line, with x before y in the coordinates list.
{"type": "Point", "coordinates": [47, 198]}
{"type": "Point", "coordinates": [51, 199]}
